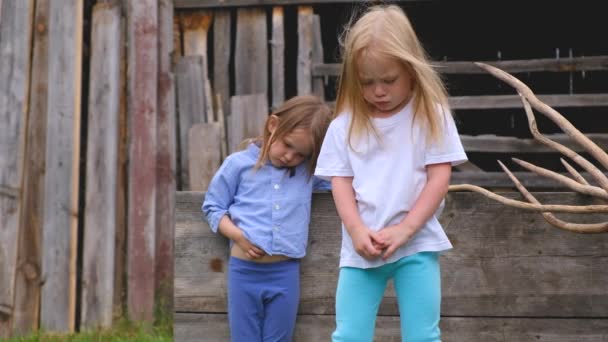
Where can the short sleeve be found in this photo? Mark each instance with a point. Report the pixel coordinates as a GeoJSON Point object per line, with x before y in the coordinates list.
{"type": "Point", "coordinates": [449, 149]}
{"type": "Point", "coordinates": [333, 158]}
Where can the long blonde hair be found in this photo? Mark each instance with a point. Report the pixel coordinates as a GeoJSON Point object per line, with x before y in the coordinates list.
{"type": "Point", "coordinates": [300, 112]}
{"type": "Point", "coordinates": [387, 30]}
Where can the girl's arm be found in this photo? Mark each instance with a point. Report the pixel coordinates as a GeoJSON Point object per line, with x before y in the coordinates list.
{"type": "Point", "coordinates": [364, 240]}
{"type": "Point", "coordinates": [435, 189]}
{"type": "Point", "coordinates": [234, 233]}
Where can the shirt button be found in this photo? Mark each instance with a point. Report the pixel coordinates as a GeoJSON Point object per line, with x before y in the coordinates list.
{"type": "Point", "coordinates": [277, 186]}
{"type": "Point", "coordinates": [277, 207]}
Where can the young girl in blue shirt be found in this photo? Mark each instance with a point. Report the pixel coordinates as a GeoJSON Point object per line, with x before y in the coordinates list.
{"type": "Point", "coordinates": [260, 199]}
{"type": "Point", "coordinates": [389, 154]}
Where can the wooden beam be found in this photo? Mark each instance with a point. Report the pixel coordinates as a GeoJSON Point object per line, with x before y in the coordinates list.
{"type": "Point", "coordinates": [305, 46]}
{"type": "Point", "coordinates": [501, 144]}
{"type": "Point", "coordinates": [102, 167]}
{"type": "Point", "coordinates": [142, 85]}
{"type": "Point", "coordinates": [221, 57]}
{"type": "Point", "coordinates": [251, 52]}
{"type": "Point", "coordinates": [191, 4]}
{"type": "Point", "coordinates": [591, 63]}
{"type": "Point", "coordinates": [15, 52]}
{"type": "Point", "coordinates": [60, 227]}
{"type": "Point", "coordinates": [514, 101]}
{"type": "Point", "coordinates": [501, 180]}
{"type": "Point", "coordinates": [28, 277]}
{"type": "Point", "coordinates": [277, 47]}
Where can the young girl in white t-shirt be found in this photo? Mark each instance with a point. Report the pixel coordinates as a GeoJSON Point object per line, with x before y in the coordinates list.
{"type": "Point", "coordinates": [389, 154]}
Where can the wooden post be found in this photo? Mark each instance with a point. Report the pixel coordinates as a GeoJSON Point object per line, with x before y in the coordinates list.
{"type": "Point", "coordinates": [102, 167]}
{"type": "Point", "coordinates": [278, 57]}
{"type": "Point", "coordinates": [317, 56]}
{"type": "Point", "coordinates": [305, 38]}
{"type": "Point", "coordinates": [15, 31]}
{"type": "Point", "coordinates": [142, 86]}
{"type": "Point", "coordinates": [221, 59]}
{"type": "Point", "coordinates": [251, 52]}
{"type": "Point", "coordinates": [166, 162]}
{"type": "Point", "coordinates": [58, 302]}
{"type": "Point", "coordinates": [27, 282]}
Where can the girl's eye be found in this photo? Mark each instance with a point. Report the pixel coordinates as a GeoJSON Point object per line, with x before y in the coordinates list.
{"type": "Point", "coordinates": [366, 83]}
{"type": "Point", "coordinates": [390, 81]}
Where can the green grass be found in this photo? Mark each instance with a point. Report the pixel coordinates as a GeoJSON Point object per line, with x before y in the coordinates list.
{"type": "Point", "coordinates": [122, 332]}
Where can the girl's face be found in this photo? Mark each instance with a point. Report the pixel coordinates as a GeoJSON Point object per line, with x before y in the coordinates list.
{"type": "Point", "coordinates": [386, 84]}
{"type": "Point", "coordinates": [290, 150]}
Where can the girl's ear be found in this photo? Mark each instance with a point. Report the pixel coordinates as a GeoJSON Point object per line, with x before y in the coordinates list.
{"type": "Point", "coordinates": [273, 123]}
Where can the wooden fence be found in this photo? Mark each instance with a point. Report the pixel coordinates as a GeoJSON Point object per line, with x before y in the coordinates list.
{"type": "Point", "coordinates": [510, 276]}
{"type": "Point", "coordinates": [87, 163]}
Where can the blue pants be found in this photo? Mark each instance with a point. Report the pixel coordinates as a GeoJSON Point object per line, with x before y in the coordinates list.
{"type": "Point", "coordinates": [417, 283]}
{"type": "Point", "coordinates": [263, 300]}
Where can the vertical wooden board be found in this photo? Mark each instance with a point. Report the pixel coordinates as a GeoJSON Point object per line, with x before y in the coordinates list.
{"type": "Point", "coordinates": [28, 277]}
{"type": "Point", "coordinates": [278, 57]}
{"type": "Point", "coordinates": [142, 86]}
{"type": "Point", "coordinates": [249, 113]}
{"type": "Point", "coordinates": [58, 301]}
{"type": "Point", "coordinates": [204, 158]}
{"type": "Point", "coordinates": [221, 58]}
{"type": "Point", "coordinates": [165, 192]}
{"type": "Point", "coordinates": [317, 56]}
{"type": "Point", "coordinates": [305, 39]}
{"type": "Point", "coordinates": [102, 167]}
{"type": "Point", "coordinates": [195, 29]}
{"type": "Point", "coordinates": [251, 52]}
{"type": "Point", "coordinates": [191, 108]}
{"type": "Point", "coordinates": [177, 38]}
{"type": "Point", "coordinates": [15, 35]}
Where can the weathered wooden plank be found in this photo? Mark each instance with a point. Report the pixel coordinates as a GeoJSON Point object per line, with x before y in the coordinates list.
{"type": "Point", "coordinates": [249, 113]}
{"type": "Point", "coordinates": [204, 158]}
{"type": "Point", "coordinates": [590, 63]}
{"type": "Point", "coordinates": [221, 58]}
{"type": "Point", "coordinates": [142, 85]}
{"type": "Point", "coordinates": [305, 47]}
{"type": "Point", "coordinates": [501, 180]}
{"type": "Point", "coordinates": [506, 262]}
{"type": "Point", "coordinates": [251, 52]}
{"type": "Point", "coordinates": [503, 144]}
{"type": "Point", "coordinates": [102, 167]}
{"type": "Point", "coordinates": [15, 32]}
{"type": "Point", "coordinates": [317, 56]}
{"type": "Point", "coordinates": [514, 101]}
{"type": "Point", "coordinates": [189, 327]}
{"type": "Point", "coordinates": [191, 108]}
{"type": "Point", "coordinates": [277, 46]}
{"type": "Point", "coordinates": [166, 161]}
{"type": "Point", "coordinates": [468, 167]}
{"type": "Point", "coordinates": [184, 4]}
{"type": "Point", "coordinates": [28, 277]}
{"type": "Point", "coordinates": [58, 301]}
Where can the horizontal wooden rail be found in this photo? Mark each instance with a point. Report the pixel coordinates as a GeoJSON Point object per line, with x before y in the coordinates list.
{"type": "Point", "coordinates": [514, 101]}
{"type": "Point", "coordinates": [192, 4]}
{"type": "Point", "coordinates": [591, 63]}
{"type": "Point", "coordinates": [499, 179]}
{"type": "Point", "coordinates": [502, 144]}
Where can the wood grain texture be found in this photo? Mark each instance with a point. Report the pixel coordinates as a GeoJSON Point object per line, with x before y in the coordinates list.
{"type": "Point", "coordinates": [166, 160]}
{"type": "Point", "coordinates": [221, 58]}
{"type": "Point", "coordinates": [189, 327]}
{"type": "Point", "coordinates": [251, 52]}
{"type": "Point", "coordinates": [506, 262]}
{"type": "Point", "coordinates": [15, 49]}
{"type": "Point", "coordinates": [305, 47]}
{"type": "Point", "coordinates": [277, 47]}
{"type": "Point", "coordinates": [205, 157]}
{"type": "Point", "coordinates": [58, 301]}
{"type": "Point", "coordinates": [103, 135]}
{"type": "Point", "coordinates": [142, 85]}
{"type": "Point", "coordinates": [249, 114]}
{"type": "Point", "coordinates": [28, 277]}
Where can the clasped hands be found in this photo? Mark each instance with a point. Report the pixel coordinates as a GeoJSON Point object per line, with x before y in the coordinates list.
{"type": "Point", "coordinates": [383, 243]}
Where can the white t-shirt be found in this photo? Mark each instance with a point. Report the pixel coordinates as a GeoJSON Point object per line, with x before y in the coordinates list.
{"type": "Point", "coordinates": [388, 176]}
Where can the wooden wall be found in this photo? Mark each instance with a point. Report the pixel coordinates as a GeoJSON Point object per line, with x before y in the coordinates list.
{"type": "Point", "coordinates": [509, 277]}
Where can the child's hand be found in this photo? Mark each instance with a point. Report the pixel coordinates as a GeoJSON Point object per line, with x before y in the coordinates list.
{"type": "Point", "coordinates": [366, 243]}
{"type": "Point", "coordinates": [393, 237]}
{"type": "Point", "coordinates": [251, 251]}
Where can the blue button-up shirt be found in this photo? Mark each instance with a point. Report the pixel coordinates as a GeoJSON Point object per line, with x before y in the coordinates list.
{"type": "Point", "coordinates": [270, 205]}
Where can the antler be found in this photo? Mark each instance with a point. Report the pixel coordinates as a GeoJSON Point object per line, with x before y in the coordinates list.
{"type": "Point", "coordinates": [578, 183]}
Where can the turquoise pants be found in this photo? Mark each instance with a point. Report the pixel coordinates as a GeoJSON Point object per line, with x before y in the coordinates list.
{"type": "Point", "coordinates": [417, 282]}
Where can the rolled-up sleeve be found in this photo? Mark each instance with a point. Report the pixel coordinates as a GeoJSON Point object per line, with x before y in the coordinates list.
{"type": "Point", "coordinates": [220, 194]}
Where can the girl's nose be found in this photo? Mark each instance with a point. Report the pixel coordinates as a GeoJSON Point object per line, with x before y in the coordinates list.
{"type": "Point", "coordinates": [379, 90]}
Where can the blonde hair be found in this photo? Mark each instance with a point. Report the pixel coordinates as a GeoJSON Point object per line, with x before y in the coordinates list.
{"type": "Point", "coordinates": [385, 30]}
{"type": "Point", "coordinates": [300, 112]}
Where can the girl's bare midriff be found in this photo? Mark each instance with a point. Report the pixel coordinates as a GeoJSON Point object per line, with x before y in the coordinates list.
{"type": "Point", "coordinates": [237, 252]}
